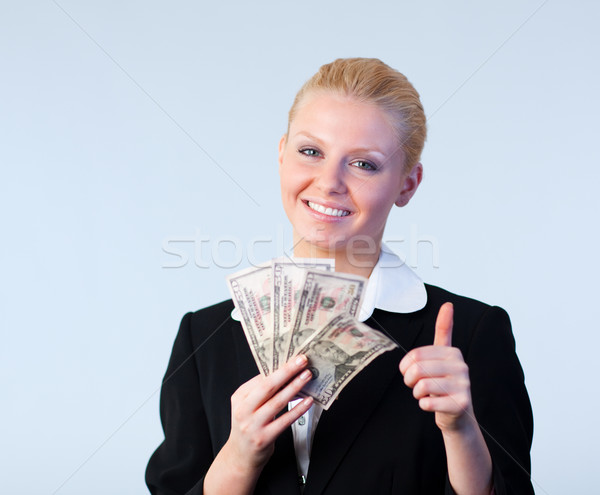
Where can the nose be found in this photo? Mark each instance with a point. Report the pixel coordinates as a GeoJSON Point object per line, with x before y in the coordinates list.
{"type": "Point", "coordinates": [331, 176]}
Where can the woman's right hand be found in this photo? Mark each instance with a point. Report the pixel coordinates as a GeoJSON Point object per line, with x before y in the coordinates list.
{"type": "Point", "coordinates": [255, 426]}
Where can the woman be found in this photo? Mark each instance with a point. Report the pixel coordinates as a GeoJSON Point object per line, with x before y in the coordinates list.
{"type": "Point", "coordinates": [351, 152]}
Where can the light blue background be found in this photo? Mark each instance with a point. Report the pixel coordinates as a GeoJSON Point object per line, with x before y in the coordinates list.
{"type": "Point", "coordinates": [109, 111]}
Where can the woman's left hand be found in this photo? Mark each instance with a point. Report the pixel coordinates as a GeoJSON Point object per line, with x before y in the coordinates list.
{"type": "Point", "coordinates": [439, 377]}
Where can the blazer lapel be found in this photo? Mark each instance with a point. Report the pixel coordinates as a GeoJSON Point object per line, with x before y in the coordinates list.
{"type": "Point", "coordinates": [280, 473]}
{"type": "Point", "coordinates": [339, 426]}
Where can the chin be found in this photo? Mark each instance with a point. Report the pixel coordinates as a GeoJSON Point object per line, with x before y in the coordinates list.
{"type": "Point", "coordinates": [316, 240]}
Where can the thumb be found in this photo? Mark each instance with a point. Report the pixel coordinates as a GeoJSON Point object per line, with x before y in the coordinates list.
{"type": "Point", "coordinates": [443, 325]}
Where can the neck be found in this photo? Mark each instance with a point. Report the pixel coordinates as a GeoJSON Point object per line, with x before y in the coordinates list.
{"type": "Point", "coordinates": [362, 267]}
{"type": "Point", "coordinates": [358, 260]}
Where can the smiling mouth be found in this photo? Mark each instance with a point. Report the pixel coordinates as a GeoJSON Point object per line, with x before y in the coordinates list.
{"type": "Point", "coordinates": [332, 212]}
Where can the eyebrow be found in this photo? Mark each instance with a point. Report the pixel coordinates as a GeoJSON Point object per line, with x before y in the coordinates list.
{"type": "Point", "coordinates": [353, 150]}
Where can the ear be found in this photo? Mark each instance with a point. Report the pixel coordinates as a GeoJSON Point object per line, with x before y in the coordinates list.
{"type": "Point", "coordinates": [282, 143]}
{"type": "Point", "coordinates": [410, 184]}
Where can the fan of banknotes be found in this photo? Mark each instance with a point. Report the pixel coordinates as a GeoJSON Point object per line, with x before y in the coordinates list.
{"type": "Point", "coordinates": [302, 306]}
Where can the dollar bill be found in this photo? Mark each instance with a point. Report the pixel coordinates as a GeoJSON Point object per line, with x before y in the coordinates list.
{"type": "Point", "coordinates": [251, 292]}
{"type": "Point", "coordinates": [288, 277]}
{"type": "Point", "coordinates": [337, 353]}
{"type": "Point", "coordinates": [324, 295]}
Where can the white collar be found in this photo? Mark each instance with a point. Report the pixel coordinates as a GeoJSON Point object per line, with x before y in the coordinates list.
{"type": "Point", "coordinates": [392, 286]}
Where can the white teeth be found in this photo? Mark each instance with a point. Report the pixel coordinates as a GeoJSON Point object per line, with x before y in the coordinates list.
{"type": "Point", "coordinates": [332, 212]}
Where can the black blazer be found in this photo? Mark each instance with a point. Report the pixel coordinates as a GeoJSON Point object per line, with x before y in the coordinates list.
{"type": "Point", "coordinates": [374, 439]}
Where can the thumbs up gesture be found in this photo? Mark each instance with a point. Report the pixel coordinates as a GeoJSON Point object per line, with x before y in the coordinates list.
{"type": "Point", "coordinates": [439, 377]}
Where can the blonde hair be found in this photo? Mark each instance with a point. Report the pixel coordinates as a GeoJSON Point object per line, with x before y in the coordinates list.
{"type": "Point", "coordinates": [371, 81]}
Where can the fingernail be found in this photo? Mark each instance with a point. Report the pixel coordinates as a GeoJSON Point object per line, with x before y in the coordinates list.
{"type": "Point", "coordinates": [305, 375]}
{"type": "Point", "coordinates": [301, 360]}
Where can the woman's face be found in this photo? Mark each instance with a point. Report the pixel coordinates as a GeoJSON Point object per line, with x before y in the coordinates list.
{"type": "Point", "coordinates": [341, 170]}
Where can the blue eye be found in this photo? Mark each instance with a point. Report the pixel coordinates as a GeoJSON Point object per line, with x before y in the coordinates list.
{"type": "Point", "coordinates": [309, 152]}
{"type": "Point", "coordinates": [363, 165]}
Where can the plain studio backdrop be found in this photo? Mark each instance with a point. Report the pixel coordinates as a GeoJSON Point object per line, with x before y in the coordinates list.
{"type": "Point", "coordinates": [138, 150]}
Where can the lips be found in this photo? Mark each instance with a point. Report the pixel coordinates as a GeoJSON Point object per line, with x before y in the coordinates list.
{"type": "Point", "coordinates": [324, 210]}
